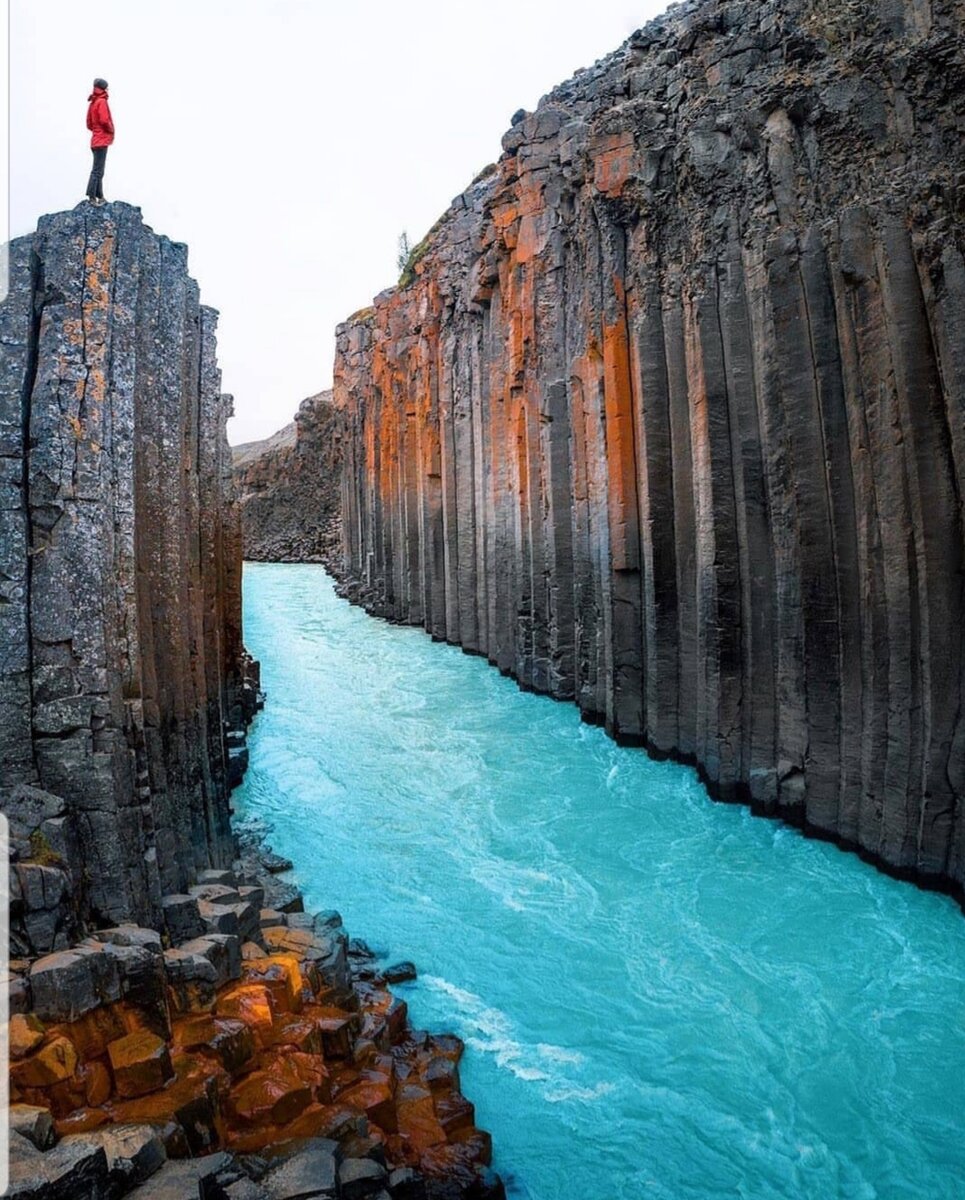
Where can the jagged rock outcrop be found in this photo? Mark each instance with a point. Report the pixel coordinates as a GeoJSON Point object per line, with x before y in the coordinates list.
{"type": "Point", "coordinates": [121, 662]}
{"type": "Point", "coordinates": [666, 415]}
{"type": "Point", "coordinates": [289, 487]}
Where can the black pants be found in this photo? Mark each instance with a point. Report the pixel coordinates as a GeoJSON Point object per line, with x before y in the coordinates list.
{"type": "Point", "coordinates": [95, 185]}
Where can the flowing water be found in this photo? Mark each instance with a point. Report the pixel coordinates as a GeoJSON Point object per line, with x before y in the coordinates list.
{"type": "Point", "coordinates": [660, 996]}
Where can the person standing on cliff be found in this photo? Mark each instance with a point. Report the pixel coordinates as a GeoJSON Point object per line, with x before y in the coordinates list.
{"type": "Point", "coordinates": [101, 126]}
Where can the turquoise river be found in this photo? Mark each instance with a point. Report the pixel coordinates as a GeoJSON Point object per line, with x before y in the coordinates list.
{"type": "Point", "coordinates": [660, 996]}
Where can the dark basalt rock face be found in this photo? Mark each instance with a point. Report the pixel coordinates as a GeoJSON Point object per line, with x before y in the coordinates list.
{"type": "Point", "coordinates": [121, 662]}
{"type": "Point", "coordinates": [289, 488]}
{"type": "Point", "coordinates": [667, 415]}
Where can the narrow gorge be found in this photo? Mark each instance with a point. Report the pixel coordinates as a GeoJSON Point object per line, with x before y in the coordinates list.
{"type": "Point", "coordinates": [179, 1026]}
{"type": "Point", "coordinates": [665, 415]}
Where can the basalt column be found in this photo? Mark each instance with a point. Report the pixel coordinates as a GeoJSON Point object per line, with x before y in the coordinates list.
{"type": "Point", "coordinates": [666, 413]}
{"type": "Point", "coordinates": [120, 606]}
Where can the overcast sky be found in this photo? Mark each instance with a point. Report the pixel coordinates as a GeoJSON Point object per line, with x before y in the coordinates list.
{"type": "Point", "coordinates": [288, 142]}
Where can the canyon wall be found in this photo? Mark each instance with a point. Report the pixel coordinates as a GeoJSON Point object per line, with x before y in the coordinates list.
{"type": "Point", "coordinates": [667, 413]}
{"type": "Point", "coordinates": [289, 487]}
{"type": "Point", "coordinates": [121, 662]}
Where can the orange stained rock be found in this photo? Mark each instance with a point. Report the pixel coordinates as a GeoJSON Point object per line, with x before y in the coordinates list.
{"type": "Point", "coordinates": [417, 1120]}
{"type": "Point", "coordinates": [456, 1161]}
{"type": "Point", "coordinates": [54, 1062]}
{"type": "Point", "coordinates": [375, 1100]}
{"type": "Point", "coordinates": [97, 261]}
{"type": "Point", "coordinates": [310, 1122]}
{"type": "Point", "coordinates": [141, 1063]}
{"type": "Point", "coordinates": [455, 1113]}
{"type": "Point", "coordinates": [620, 450]}
{"type": "Point", "coordinates": [613, 163]}
{"type": "Point", "coordinates": [279, 939]}
{"type": "Point", "coordinates": [253, 1004]}
{"type": "Point", "coordinates": [281, 975]}
{"type": "Point", "coordinates": [81, 1120]}
{"type": "Point", "coordinates": [302, 1032]}
{"type": "Point", "coordinates": [98, 1084]}
{"type": "Point", "coordinates": [226, 1038]}
{"type": "Point", "coordinates": [25, 1034]}
{"type": "Point", "coordinates": [195, 1093]}
{"type": "Point", "coordinates": [95, 1030]}
{"type": "Point", "coordinates": [533, 231]}
{"type": "Point", "coordinates": [279, 1091]}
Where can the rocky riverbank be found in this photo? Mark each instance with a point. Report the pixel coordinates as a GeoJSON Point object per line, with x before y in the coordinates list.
{"type": "Point", "coordinates": [247, 1048]}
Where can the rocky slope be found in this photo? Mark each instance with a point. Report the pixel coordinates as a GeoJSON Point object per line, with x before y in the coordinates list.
{"type": "Point", "coordinates": [289, 487]}
{"type": "Point", "coordinates": [666, 413]}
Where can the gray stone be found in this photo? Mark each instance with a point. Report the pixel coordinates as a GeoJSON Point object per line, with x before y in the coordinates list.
{"type": "Point", "coordinates": [406, 1184]}
{"type": "Point", "coordinates": [75, 1169]}
{"type": "Point", "coordinates": [401, 972]}
{"type": "Point", "coordinates": [34, 1123]}
{"type": "Point", "coordinates": [185, 1180]}
{"type": "Point", "coordinates": [182, 918]}
{"type": "Point", "coordinates": [310, 1172]}
{"type": "Point", "coordinates": [359, 1178]}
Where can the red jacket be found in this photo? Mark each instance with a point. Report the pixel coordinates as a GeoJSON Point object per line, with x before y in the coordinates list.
{"type": "Point", "coordinates": [99, 119]}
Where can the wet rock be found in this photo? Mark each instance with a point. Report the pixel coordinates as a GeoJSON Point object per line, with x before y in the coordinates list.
{"type": "Point", "coordinates": [53, 1062]}
{"type": "Point", "coordinates": [140, 1062]}
{"type": "Point", "coordinates": [401, 972]}
{"type": "Point", "coordinates": [134, 1153]}
{"type": "Point", "coordinates": [273, 863]}
{"type": "Point", "coordinates": [192, 979]}
{"type": "Point", "coordinates": [64, 986]}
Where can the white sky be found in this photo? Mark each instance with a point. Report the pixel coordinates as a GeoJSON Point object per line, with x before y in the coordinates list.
{"type": "Point", "coordinates": [288, 142]}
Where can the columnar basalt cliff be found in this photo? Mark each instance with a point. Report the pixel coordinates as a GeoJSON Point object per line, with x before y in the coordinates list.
{"type": "Point", "coordinates": [121, 663]}
{"type": "Point", "coordinates": [666, 414]}
{"type": "Point", "coordinates": [289, 486]}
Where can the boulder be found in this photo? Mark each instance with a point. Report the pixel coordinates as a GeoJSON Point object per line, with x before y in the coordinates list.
{"type": "Point", "coordinates": [34, 1123]}
{"type": "Point", "coordinates": [75, 1169]}
{"type": "Point", "coordinates": [190, 1179]}
{"type": "Point", "coordinates": [273, 863]}
{"type": "Point", "coordinates": [359, 1178]}
{"type": "Point", "coordinates": [25, 1033]}
{"type": "Point", "coordinates": [192, 979]}
{"type": "Point", "coordinates": [182, 920]}
{"type": "Point", "coordinates": [53, 1062]}
{"type": "Point", "coordinates": [407, 1184]}
{"type": "Point", "coordinates": [65, 985]}
{"type": "Point", "coordinates": [400, 972]}
{"type": "Point", "coordinates": [308, 1174]}
{"type": "Point", "coordinates": [134, 1153]}
{"type": "Point", "coordinates": [141, 1063]}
